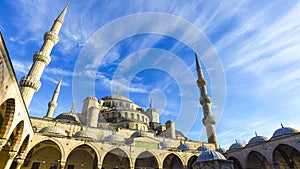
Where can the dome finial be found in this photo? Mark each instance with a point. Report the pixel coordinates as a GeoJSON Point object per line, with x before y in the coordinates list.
{"type": "Point", "coordinates": [236, 141]}
{"type": "Point", "coordinates": [281, 125]}
{"type": "Point", "coordinates": [255, 133]}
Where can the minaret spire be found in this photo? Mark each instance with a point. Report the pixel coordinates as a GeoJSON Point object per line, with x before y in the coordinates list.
{"type": "Point", "coordinates": [208, 119]}
{"type": "Point", "coordinates": [53, 103]}
{"type": "Point", "coordinates": [151, 104]}
{"type": "Point", "coordinates": [31, 83]}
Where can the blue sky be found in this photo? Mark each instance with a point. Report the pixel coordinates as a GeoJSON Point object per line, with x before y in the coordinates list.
{"type": "Point", "coordinates": [253, 45]}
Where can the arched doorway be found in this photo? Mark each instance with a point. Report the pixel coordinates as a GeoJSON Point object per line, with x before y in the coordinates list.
{"type": "Point", "coordinates": [286, 157]}
{"type": "Point", "coordinates": [82, 157]}
{"type": "Point", "coordinates": [191, 161]}
{"type": "Point", "coordinates": [12, 144]}
{"type": "Point", "coordinates": [236, 163]}
{"type": "Point", "coordinates": [45, 154]}
{"type": "Point", "coordinates": [7, 110]}
{"type": "Point", "coordinates": [256, 160]}
{"type": "Point", "coordinates": [116, 158]}
{"type": "Point", "coordinates": [146, 160]}
{"type": "Point", "coordinates": [172, 161]}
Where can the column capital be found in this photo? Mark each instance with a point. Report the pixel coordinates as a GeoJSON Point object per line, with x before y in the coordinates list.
{"type": "Point", "coordinates": [12, 154]}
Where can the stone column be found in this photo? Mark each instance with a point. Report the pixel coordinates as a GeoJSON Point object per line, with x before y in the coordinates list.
{"type": "Point", "coordinates": [19, 162]}
{"type": "Point", "coordinates": [11, 156]}
{"type": "Point", "coordinates": [62, 165]}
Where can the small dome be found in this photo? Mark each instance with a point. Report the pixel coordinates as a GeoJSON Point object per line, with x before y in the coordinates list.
{"type": "Point", "coordinates": [136, 134]}
{"type": "Point", "coordinates": [184, 147]}
{"type": "Point", "coordinates": [53, 130]}
{"type": "Point", "coordinates": [114, 138]}
{"type": "Point", "coordinates": [68, 117]}
{"type": "Point", "coordinates": [84, 134]}
{"type": "Point", "coordinates": [236, 146]}
{"type": "Point", "coordinates": [210, 155]}
{"type": "Point", "coordinates": [221, 150]}
{"type": "Point", "coordinates": [257, 139]}
{"type": "Point", "coordinates": [164, 144]}
{"type": "Point", "coordinates": [284, 131]}
{"type": "Point", "coordinates": [202, 148]}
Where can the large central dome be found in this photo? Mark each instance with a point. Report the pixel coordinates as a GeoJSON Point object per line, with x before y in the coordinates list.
{"type": "Point", "coordinates": [117, 97]}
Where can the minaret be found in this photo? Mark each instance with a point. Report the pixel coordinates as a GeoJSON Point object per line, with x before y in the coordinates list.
{"type": "Point", "coordinates": [53, 103]}
{"type": "Point", "coordinates": [31, 83]}
{"type": "Point", "coordinates": [208, 119]}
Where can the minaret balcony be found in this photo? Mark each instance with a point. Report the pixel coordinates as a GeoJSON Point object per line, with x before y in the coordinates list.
{"type": "Point", "coordinates": [208, 120]}
{"type": "Point", "coordinates": [51, 36]}
{"type": "Point", "coordinates": [52, 104]}
{"type": "Point", "coordinates": [205, 99]}
{"type": "Point", "coordinates": [41, 57]}
{"type": "Point", "coordinates": [30, 82]}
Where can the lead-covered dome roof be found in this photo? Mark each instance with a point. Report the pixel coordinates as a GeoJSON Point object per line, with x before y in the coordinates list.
{"type": "Point", "coordinates": [210, 155]}
{"type": "Point", "coordinates": [53, 130]}
{"type": "Point", "coordinates": [184, 147]}
{"type": "Point", "coordinates": [236, 145]}
{"type": "Point", "coordinates": [257, 139]}
{"type": "Point", "coordinates": [202, 148]}
{"type": "Point", "coordinates": [116, 97]}
{"type": "Point", "coordinates": [85, 134]}
{"type": "Point", "coordinates": [284, 131]}
{"type": "Point", "coordinates": [68, 117]}
{"type": "Point", "coordinates": [114, 138]}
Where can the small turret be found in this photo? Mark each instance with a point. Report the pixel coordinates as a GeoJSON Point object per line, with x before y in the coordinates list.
{"type": "Point", "coordinates": [170, 129]}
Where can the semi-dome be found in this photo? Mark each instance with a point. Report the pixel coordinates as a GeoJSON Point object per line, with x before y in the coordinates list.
{"type": "Point", "coordinates": [114, 138]}
{"type": "Point", "coordinates": [210, 155]}
{"type": "Point", "coordinates": [202, 148]}
{"type": "Point", "coordinates": [184, 147]}
{"type": "Point", "coordinates": [257, 139]}
{"type": "Point", "coordinates": [85, 134]}
{"type": "Point", "coordinates": [53, 130]}
{"type": "Point", "coordinates": [284, 131]}
{"type": "Point", "coordinates": [92, 97]}
{"type": "Point", "coordinates": [236, 145]}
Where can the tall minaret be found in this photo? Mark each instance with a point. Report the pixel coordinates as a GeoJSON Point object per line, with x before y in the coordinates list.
{"type": "Point", "coordinates": [31, 83]}
{"type": "Point", "coordinates": [208, 119]}
{"type": "Point", "coordinates": [53, 103]}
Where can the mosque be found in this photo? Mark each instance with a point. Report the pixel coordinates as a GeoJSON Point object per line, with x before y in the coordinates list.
{"type": "Point", "coordinates": [115, 132]}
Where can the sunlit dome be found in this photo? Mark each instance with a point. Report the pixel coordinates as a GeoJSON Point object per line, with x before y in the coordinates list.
{"type": "Point", "coordinates": [114, 138]}
{"type": "Point", "coordinates": [116, 97]}
{"type": "Point", "coordinates": [257, 139]}
{"type": "Point", "coordinates": [53, 130]}
{"type": "Point", "coordinates": [69, 117]}
{"type": "Point", "coordinates": [221, 150]}
{"type": "Point", "coordinates": [84, 134]}
{"type": "Point", "coordinates": [284, 131]}
{"type": "Point", "coordinates": [165, 144]}
{"type": "Point", "coordinates": [210, 155]}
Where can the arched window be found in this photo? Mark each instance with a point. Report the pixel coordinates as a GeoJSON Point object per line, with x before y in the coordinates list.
{"type": "Point", "coordinates": [138, 117]}
{"type": "Point", "coordinates": [132, 115]}
{"type": "Point", "coordinates": [126, 115]}
{"type": "Point", "coordinates": [143, 118]}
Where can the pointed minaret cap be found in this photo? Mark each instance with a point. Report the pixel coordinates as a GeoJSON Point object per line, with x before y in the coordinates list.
{"type": "Point", "coordinates": [73, 107]}
{"type": "Point", "coordinates": [61, 16]}
{"type": "Point", "coordinates": [197, 61]}
{"type": "Point", "coordinates": [151, 102]}
{"type": "Point", "coordinates": [59, 84]}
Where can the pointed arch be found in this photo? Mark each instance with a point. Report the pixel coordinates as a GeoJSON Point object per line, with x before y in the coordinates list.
{"type": "Point", "coordinates": [236, 163]}
{"type": "Point", "coordinates": [172, 161]}
{"type": "Point", "coordinates": [285, 155]}
{"type": "Point", "coordinates": [256, 160]}
{"type": "Point", "coordinates": [7, 111]}
{"type": "Point", "coordinates": [191, 161]}
{"type": "Point", "coordinates": [146, 159]}
{"type": "Point", "coordinates": [16, 136]}
{"type": "Point", "coordinates": [116, 158]}
{"type": "Point", "coordinates": [23, 148]}
{"type": "Point", "coordinates": [45, 154]}
{"type": "Point", "coordinates": [83, 156]}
